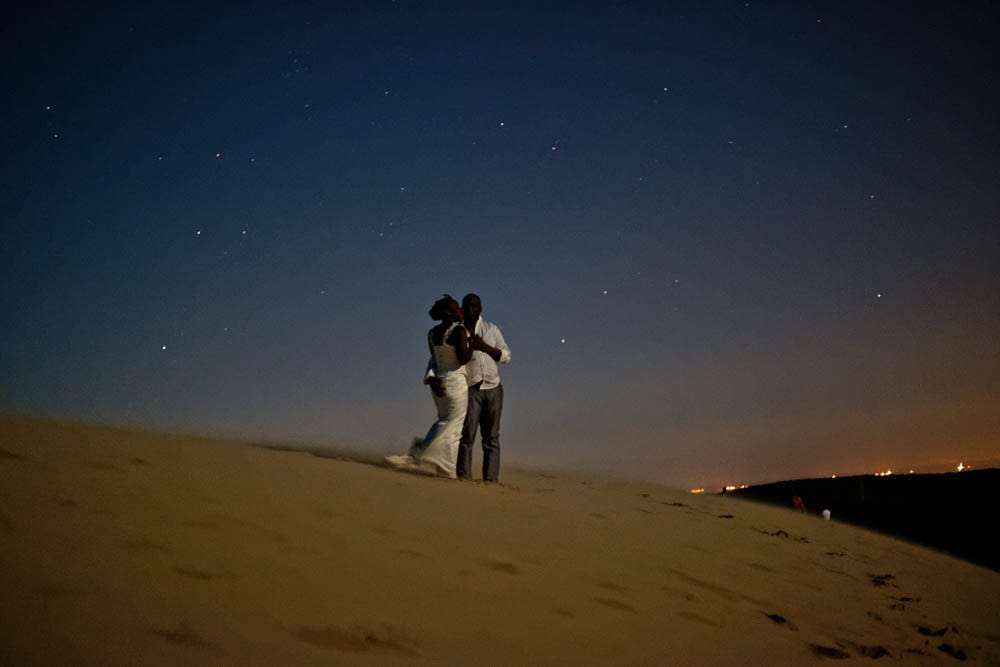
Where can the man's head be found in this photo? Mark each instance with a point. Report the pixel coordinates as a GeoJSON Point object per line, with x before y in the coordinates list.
{"type": "Point", "coordinates": [472, 307]}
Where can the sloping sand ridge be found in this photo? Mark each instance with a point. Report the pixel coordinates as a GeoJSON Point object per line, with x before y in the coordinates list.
{"type": "Point", "coordinates": [122, 547]}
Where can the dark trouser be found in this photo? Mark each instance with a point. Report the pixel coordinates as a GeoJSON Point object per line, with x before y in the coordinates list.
{"type": "Point", "coordinates": [485, 406]}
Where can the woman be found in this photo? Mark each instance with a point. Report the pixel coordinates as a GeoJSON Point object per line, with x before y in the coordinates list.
{"type": "Point", "coordinates": [449, 344]}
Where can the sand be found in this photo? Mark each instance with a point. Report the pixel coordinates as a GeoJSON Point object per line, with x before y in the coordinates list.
{"type": "Point", "coordinates": [124, 548]}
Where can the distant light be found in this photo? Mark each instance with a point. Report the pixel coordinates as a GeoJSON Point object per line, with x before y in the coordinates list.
{"type": "Point", "coordinates": [164, 347]}
{"type": "Point", "coordinates": [911, 472]}
{"type": "Point", "coordinates": [218, 155]}
{"type": "Point", "coordinates": [961, 467]}
{"type": "Point", "coordinates": [731, 487]}
{"type": "Point", "coordinates": [697, 490]}
{"type": "Point", "coordinates": [562, 340]}
{"type": "Point", "coordinates": [833, 477]}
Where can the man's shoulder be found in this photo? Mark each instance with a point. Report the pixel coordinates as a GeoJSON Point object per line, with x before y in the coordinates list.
{"type": "Point", "coordinates": [488, 325]}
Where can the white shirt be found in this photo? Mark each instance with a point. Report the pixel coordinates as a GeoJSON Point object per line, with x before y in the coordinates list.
{"type": "Point", "coordinates": [482, 367]}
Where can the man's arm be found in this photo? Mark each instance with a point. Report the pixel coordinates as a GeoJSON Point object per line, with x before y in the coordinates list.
{"type": "Point", "coordinates": [498, 351]}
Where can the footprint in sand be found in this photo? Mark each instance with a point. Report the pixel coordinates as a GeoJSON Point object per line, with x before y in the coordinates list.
{"type": "Point", "coordinates": [760, 567]}
{"type": "Point", "coordinates": [143, 545]}
{"type": "Point", "coordinates": [782, 533]}
{"type": "Point", "coordinates": [506, 568]}
{"type": "Point", "coordinates": [725, 593]}
{"type": "Point", "coordinates": [691, 616]}
{"type": "Point", "coordinates": [829, 652]}
{"type": "Point", "coordinates": [356, 640]}
{"type": "Point", "coordinates": [873, 652]}
{"type": "Point", "coordinates": [953, 651]}
{"type": "Point", "coordinates": [680, 592]}
{"type": "Point", "coordinates": [616, 604]}
{"type": "Point", "coordinates": [882, 580]}
{"type": "Point", "coordinates": [781, 620]}
{"type": "Point", "coordinates": [611, 586]}
{"type": "Point", "coordinates": [181, 635]}
{"type": "Point", "coordinates": [901, 602]}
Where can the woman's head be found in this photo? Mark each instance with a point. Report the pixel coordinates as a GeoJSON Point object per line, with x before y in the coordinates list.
{"type": "Point", "coordinates": [446, 309]}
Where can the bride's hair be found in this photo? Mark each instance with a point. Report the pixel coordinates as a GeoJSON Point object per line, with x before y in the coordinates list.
{"type": "Point", "coordinates": [440, 307]}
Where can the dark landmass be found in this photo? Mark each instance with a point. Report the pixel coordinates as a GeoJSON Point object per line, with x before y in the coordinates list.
{"type": "Point", "coordinates": [951, 512]}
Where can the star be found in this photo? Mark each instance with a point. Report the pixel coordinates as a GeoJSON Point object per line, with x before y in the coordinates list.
{"type": "Point", "coordinates": [562, 340]}
{"type": "Point", "coordinates": [501, 123]}
{"type": "Point", "coordinates": [164, 347]}
{"type": "Point", "coordinates": [604, 292]}
{"type": "Point", "coordinates": [218, 155]}
{"type": "Point", "coordinates": [198, 233]}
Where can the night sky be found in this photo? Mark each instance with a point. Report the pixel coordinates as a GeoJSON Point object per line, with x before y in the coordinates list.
{"type": "Point", "coordinates": [726, 241]}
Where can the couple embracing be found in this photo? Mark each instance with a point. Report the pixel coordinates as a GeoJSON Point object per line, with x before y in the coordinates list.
{"type": "Point", "coordinates": [465, 385]}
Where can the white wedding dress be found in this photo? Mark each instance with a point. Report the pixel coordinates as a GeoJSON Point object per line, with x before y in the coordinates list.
{"type": "Point", "coordinates": [438, 453]}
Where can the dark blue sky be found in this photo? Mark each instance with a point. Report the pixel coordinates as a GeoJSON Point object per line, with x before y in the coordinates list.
{"type": "Point", "coordinates": [766, 232]}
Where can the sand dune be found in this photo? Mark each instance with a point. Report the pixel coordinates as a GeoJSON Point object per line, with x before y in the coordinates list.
{"type": "Point", "coordinates": [127, 548]}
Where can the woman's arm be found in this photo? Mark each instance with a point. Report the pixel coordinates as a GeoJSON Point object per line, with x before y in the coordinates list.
{"type": "Point", "coordinates": [460, 339]}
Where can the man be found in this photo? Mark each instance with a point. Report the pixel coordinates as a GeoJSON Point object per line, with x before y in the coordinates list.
{"type": "Point", "coordinates": [485, 391]}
